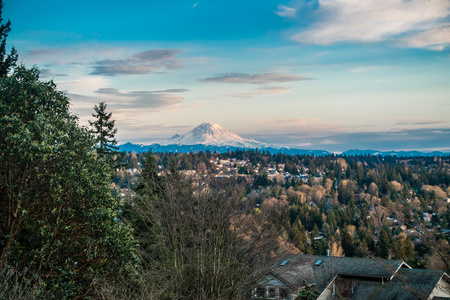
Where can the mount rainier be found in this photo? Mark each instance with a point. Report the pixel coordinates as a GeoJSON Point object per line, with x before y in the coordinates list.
{"type": "Point", "coordinates": [212, 134]}
{"type": "Point", "coordinates": [212, 137]}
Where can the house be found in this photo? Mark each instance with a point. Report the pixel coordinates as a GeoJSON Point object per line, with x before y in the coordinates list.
{"type": "Point", "coordinates": [350, 278]}
{"type": "Point", "coordinates": [426, 217]}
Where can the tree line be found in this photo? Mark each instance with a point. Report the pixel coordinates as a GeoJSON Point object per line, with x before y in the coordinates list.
{"type": "Point", "coordinates": [351, 205]}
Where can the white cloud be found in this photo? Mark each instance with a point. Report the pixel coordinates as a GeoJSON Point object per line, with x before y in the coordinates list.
{"type": "Point", "coordinates": [136, 100]}
{"type": "Point", "coordinates": [378, 20]}
{"type": "Point", "coordinates": [284, 11]}
{"type": "Point", "coordinates": [433, 39]}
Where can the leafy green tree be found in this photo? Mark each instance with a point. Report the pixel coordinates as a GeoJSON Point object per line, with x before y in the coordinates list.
{"type": "Point", "coordinates": [58, 217]}
{"type": "Point", "coordinates": [7, 61]}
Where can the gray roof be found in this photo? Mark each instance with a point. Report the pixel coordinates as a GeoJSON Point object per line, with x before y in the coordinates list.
{"type": "Point", "coordinates": [302, 268]}
{"type": "Point", "coordinates": [406, 284]}
{"type": "Point", "coordinates": [380, 278]}
{"type": "Point", "coordinates": [387, 291]}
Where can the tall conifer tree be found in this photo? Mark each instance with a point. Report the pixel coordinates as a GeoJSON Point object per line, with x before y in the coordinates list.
{"type": "Point", "coordinates": [104, 129]}
{"type": "Point", "coordinates": [7, 61]}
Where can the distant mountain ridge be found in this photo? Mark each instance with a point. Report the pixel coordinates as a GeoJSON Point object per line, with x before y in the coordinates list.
{"type": "Point", "coordinates": [213, 137]}
{"type": "Point", "coordinates": [129, 147]}
{"type": "Point", "coordinates": [411, 153]}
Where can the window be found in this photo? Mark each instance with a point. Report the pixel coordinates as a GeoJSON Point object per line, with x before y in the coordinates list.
{"type": "Point", "coordinates": [284, 294]}
{"type": "Point", "coordinates": [271, 292]}
{"type": "Point", "coordinates": [318, 262]}
{"type": "Point", "coordinates": [260, 292]}
{"type": "Point", "coordinates": [284, 262]}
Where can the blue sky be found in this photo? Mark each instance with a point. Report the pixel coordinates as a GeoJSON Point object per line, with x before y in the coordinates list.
{"type": "Point", "coordinates": [323, 74]}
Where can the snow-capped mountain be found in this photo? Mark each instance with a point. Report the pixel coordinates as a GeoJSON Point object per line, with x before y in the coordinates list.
{"type": "Point", "coordinates": [214, 135]}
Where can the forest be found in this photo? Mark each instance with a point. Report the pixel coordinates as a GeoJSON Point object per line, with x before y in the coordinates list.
{"type": "Point", "coordinates": [389, 207]}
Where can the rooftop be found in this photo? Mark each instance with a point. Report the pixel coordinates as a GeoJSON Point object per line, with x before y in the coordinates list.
{"type": "Point", "coordinates": [381, 278]}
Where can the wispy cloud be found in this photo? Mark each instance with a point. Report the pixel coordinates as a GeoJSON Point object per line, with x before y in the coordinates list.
{"type": "Point", "coordinates": [38, 52]}
{"type": "Point", "coordinates": [47, 73]}
{"type": "Point", "coordinates": [285, 11]}
{"type": "Point", "coordinates": [148, 132]}
{"type": "Point", "coordinates": [112, 91]}
{"type": "Point", "coordinates": [109, 91]}
{"type": "Point", "coordinates": [435, 39]}
{"type": "Point", "coordinates": [141, 63]}
{"type": "Point", "coordinates": [411, 121]}
{"type": "Point", "coordinates": [262, 91]}
{"type": "Point", "coordinates": [381, 81]}
{"type": "Point", "coordinates": [293, 121]}
{"type": "Point", "coordinates": [143, 99]}
{"type": "Point", "coordinates": [365, 68]}
{"type": "Point", "coordinates": [341, 140]}
{"type": "Point", "coordinates": [154, 101]}
{"type": "Point", "coordinates": [291, 131]}
{"type": "Point", "coordinates": [414, 23]}
{"type": "Point", "coordinates": [262, 78]}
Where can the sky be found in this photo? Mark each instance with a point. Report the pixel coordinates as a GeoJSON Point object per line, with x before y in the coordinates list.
{"type": "Point", "coordinates": [314, 74]}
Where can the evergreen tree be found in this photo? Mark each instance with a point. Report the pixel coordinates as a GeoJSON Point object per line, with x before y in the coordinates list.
{"type": "Point", "coordinates": [307, 293]}
{"type": "Point", "coordinates": [348, 244]}
{"type": "Point", "coordinates": [104, 130]}
{"type": "Point", "coordinates": [298, 236]}
{"type": "Point", "coordinates": [444, 222]}
{"type": "Point", "coordinates": [384, 245]}
{"type": "Point", "coordinates": [317, 243]}
{"type": "Point", "coordinates": [7, 61]}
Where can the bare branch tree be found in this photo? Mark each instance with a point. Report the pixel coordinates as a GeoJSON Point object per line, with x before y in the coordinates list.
{"type": "Point", "coordinates": [199, 238]}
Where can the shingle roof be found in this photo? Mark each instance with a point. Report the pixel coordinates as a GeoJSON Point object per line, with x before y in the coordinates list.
{"type": "Point", "coordinates": [387, 291]}
{"type": "Point", "coordinates": [382, 278]}
{"type": "Point", "coordinates": [302, 268]}
{"type": "Point", "coordinates": [406, 284]}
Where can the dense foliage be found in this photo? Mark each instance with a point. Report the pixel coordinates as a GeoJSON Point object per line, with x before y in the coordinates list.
{"type": "Point", "coordinates": [58, 217]}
